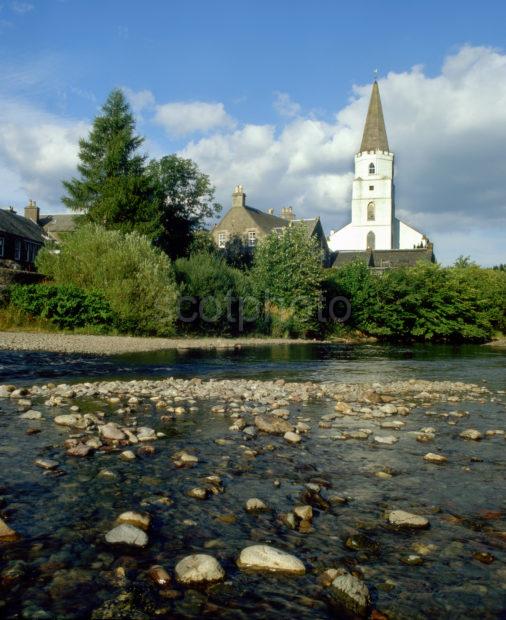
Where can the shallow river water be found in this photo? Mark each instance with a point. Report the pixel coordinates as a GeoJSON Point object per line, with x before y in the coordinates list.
{"type": "Point", "coordinates": [62, 567]}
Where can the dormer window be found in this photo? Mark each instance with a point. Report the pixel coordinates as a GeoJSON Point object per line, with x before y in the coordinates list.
{"type": "Point", "coordinates": [372, 168]}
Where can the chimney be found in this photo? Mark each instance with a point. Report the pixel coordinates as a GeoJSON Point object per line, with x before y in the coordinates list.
{"type": "Point", "coordinates": [271, 211]}
{"type": "Point", "coordinates": [32, 211]}
{"type": "Point", "coordinates": [287, 214]}
{"type": "Point", "coordinates": [238, 197]}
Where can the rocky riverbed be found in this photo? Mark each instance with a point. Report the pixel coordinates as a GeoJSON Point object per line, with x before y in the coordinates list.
{"type": "Point", "coordinates": [242, 498]}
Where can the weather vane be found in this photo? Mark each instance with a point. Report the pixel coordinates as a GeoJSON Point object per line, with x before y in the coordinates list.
{"type": "Point", "coordinates": [375, 74]}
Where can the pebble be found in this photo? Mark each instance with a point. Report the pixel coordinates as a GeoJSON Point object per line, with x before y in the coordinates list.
{"type": "Point", "coordinates": [304, 512]}
{"type": "Point", "coordinates": [198, 493]}
{"type": "Point", "coordinates": [159, 575]}
{"type": "Point", "coordinates": [199, 568]}
{"type": "Point", "coordinates": [7, 534]}
{"type": "Point", "coordinates": [292, 437]}
{"type": "Point", "coordinates": [403, 519]}
{"type": "Point", "coordinates": [46, 463]}
{"type": "Point", "coordinates": [388, 440]}
{"type": "Point", "coordinates": [272, 424]}
{"type": "Point", "coordinates": [127, 455]}
{"type": "Point", "coordinates": [128, 535]}
{"type": "Point", "coordinates": [269, 559]}
{"type": "Point", "coordinates": [31, 414]}
{"type": "Point", "coordinates": [140, 520]}
{"type": "Point", "coordinates": [111, 432]}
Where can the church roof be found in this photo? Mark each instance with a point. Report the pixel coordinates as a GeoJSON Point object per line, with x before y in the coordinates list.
{"type": "Point", "coordinates": [375, 134]}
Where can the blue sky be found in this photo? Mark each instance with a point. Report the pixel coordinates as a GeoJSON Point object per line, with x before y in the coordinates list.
{"type": "Point", "coordinates": [271, 95]}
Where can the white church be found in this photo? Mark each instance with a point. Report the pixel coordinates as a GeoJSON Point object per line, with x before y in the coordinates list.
{"type": "Point", "coordinates": [374, 231]}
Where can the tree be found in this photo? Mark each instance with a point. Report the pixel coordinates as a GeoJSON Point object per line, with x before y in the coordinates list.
{"type": "Point", "coordinates": [288, 275]}
{"type": "Point", "coordinates": [237, 254]}
{"type": "Point", "coordinates": [136, 279]}
{"type": "Point", "coordinates": [113, 189]}
{"type": "Point", "coordinates": [184, 199]}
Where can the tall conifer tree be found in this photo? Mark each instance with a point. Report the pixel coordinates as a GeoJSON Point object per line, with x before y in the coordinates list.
{"type": "Point", "coordinates": [113, 189]}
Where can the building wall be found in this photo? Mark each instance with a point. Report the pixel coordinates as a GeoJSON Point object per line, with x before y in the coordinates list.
{"type": "Point", "coordinates": [409, 237]}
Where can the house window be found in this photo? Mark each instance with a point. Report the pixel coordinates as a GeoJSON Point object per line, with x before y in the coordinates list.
{"type": "Point", "coordinates": [222, 240]}
{"type": "Point", "coordinates": [252, 238]}
{"type": "Point", "coordinates": [371, 240]}
{"type": "Point", "coordinates": [2, 246]}
{"type": "Point", "coordinates": [371, 212]}
{"type": "Point", "coordinates": [371, 188]}
{"type": "Point", "coordinates": [17, 250]}
{"type": "Point", "coordinates": [372, 168]}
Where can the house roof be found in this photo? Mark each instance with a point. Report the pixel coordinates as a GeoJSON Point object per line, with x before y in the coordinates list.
{"type": "Point", "coordinates": [14, 224]}
{"type": "Point", "coordinates": [375, 133]}
{"type": "Point", "coordinates": [59, 222]}
{"type": "Point", "coordinates": [265, 221]}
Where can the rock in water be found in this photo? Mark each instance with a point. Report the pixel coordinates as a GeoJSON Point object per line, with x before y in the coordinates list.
{"type": "Point", "coordinates": [111, 432]}
{"type": "Point", "coordinates": [127, 534]}
{"type": "Point", "coordinates": [272, 424]}
{"type": "Point", "coordinates": [255, 505]}
{"type": "Point", "coordinates": [269, 559]}
{"type": "Point", "coordinates": [351, 593]}
{"type": "Point", "coordinates": [159, 575]}
{"type": "Point", "coordinates": [430, 457]}
{"type": "Point", "coordinates": [141, 521]}
{"type": "Point", "coordinates": [46, 463]}
{"type": "Point", "coordinates": [400, 518]}
{"type": "Point", "coordinates": [471, 434]}
{"type": "Point", "coordinates": [198, 568]}
{"type": "Point", "coordinates": [6, 533]}
{"type": "Point", "coordinates": [31, 414]}
{"type": "Point", "coordinates": [292, 437]}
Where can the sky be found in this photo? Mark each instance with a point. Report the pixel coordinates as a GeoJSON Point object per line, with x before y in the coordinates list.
{"type": "Point", "coordinates": [271, 95]}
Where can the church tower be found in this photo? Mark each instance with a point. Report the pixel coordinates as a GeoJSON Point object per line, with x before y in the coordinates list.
{"type": "Point", "coordinates": [372, 204]}
{"type": "Point", "coordinates": [373, 223]}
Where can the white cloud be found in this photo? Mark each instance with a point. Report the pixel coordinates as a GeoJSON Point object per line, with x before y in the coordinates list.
{"type": "Point", "coordinates": [284, 105]}
{"type": "Point", "coordinates": [21, 7]}
{"type": "Point", "coordinates": [448, 133]}
{"type": "Point", "coordinates": [140, 99]}
{"type": "Point", "coordinates": [183, 118]}
{"type": "Point", "coordinates": [37, 151]}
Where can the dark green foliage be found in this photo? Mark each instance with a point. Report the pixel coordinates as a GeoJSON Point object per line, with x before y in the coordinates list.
{"type": "Point", "coordinates": [210, 291]}
{"type": "Point", "coordinates": [184, 198]}
{"type": "Point", "coordinates": [237, 254]}
{"type": "Point", "coordinates": [67, 306]}
{"type": "Point", "coordinates": [113, 189]}
{"type": "Point", "coordinates": [428, 302]}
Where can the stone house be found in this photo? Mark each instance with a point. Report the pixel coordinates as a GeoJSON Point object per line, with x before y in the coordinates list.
{"type": "Point", "coordinates": [20, 240]}
{"type": "Point", "coordinates": [252, 225]}
{"type": "Point", "coordinates": [53, 225]}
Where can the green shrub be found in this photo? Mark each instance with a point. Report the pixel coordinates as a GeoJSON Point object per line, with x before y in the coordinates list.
{"type": "Point", "coordinates": [210, 292]}
{"type": "Point", "coordinates": [67, 306]}
{"type": "Point", "coordinates": [136, 279]}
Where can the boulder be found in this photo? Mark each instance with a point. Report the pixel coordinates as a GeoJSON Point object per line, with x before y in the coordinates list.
{"type": "Point", "coordinates": [292, 437]}
{"type": "Point", "coordinates": [269, 559]}
{"type": "Point", "coordinates": [145, 433]}
{"type": "Point", "coordinates": [430, 457]}
{"type": "Point", "coordinates": [388, 440]}
{"type": "Point", "coordinates": [255, 505]}
{"type": "Point", "coordinates": [198, 568]}
{"type": "Point", "coordinates": [31, 414]}
{"type": "Point", "coordinates": [111, 432]}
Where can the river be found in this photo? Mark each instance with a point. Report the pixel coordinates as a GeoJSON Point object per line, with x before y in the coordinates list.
{"type": "Point", "coordinates": [62, 568]}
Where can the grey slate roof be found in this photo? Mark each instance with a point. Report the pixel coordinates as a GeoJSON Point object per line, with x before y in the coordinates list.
{"type": "Point", "coordinates": [375, 133]}
{"type": "Point", "coordinates": [266, 221]}
{"type": "Point", "coordinates": [59, 222]}
{"type": "Point", "coordinates": [14, 224]}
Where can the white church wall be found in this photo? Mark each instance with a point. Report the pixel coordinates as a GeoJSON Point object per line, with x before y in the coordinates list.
{"type": "Point", "coordinates": [408, 237]}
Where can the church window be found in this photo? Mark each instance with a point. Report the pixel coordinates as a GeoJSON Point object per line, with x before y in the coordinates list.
{"type": "Point", "coordinates": [371, 212]}
{"type": "Point", "coordinates": [371, 188]}
{"type": "Point", "coordinates": [371, 240]}
{"type": "Point", "coordinates": [372, 168]}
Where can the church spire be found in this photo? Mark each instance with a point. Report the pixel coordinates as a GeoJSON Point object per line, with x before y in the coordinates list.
{"type": "Point", "coordinates": [375, 134]}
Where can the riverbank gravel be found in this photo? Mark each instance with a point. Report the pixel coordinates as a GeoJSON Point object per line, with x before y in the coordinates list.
{"type": "Point", "coordinates": [115, 345]}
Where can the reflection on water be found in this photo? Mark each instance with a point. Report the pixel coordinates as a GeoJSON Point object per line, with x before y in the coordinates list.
{"type": "Point", "coordinates": [316, 362]}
